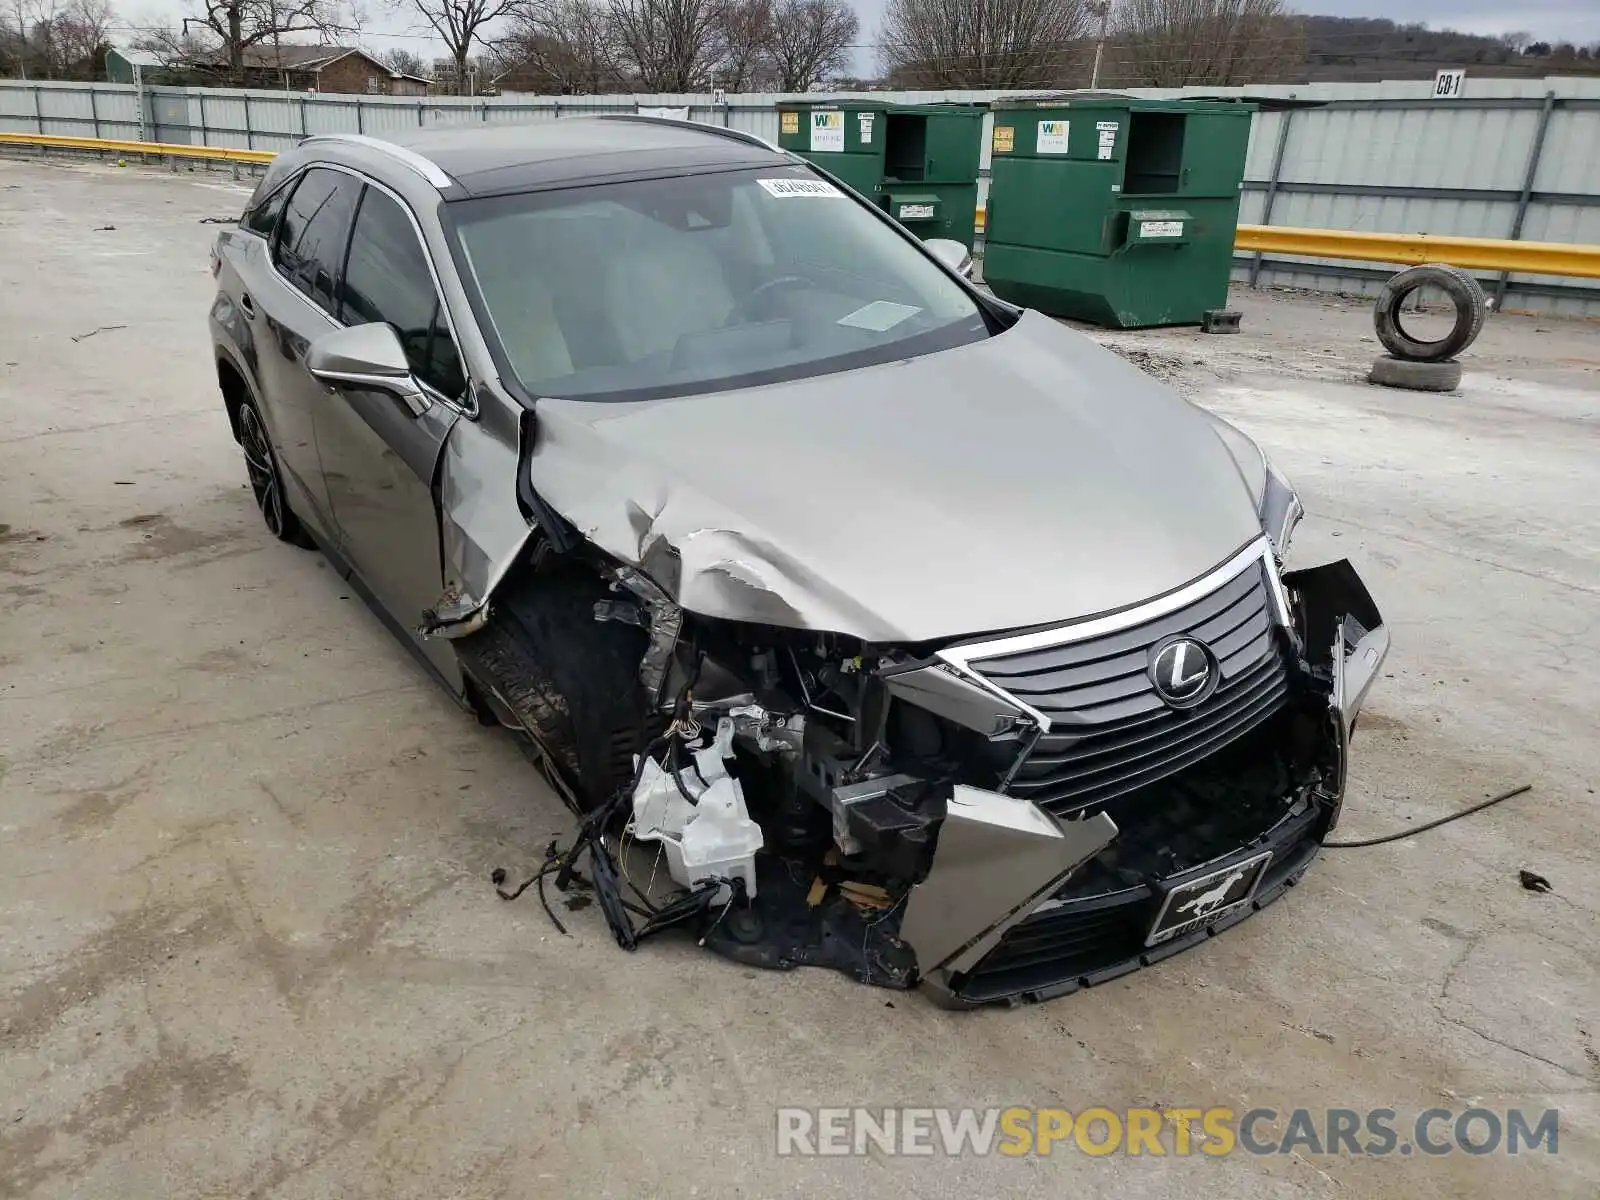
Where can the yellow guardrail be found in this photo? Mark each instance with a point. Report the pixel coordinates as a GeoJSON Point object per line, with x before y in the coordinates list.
{"type": "Point", "coordinates": [1484, 254]}
{"type": "Point", "coordinates": [113, 146]}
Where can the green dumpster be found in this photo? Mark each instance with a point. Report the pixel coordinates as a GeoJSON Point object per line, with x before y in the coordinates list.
{"type": "Point", "coordinates": [919, 163]}
{"type": "Point", "coordinates": [1114, 210]}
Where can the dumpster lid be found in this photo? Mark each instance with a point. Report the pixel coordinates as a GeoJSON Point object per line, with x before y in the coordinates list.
{"type": "Point", "coordinates": [837, 102]}
{"type": "Point", "coordinates": [1264, 103]}
{"type": "Point", "coordinates": [1088, 98]}
{"type": "Point", "coordinates": [1064, 94]}
{"type": "Point", "coordinates": [931, 107]}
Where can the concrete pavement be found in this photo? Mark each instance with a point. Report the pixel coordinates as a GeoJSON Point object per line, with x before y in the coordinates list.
{"type": "Point", "coordinates": [247, 942]}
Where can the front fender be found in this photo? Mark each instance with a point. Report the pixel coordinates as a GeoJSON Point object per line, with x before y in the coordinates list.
{"type": "Point", "coordinates": [481, 526]}
{"type": "Point", "coordinates": [1342, 631]}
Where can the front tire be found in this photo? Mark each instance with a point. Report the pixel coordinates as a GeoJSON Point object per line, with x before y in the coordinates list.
{"type": "Point", "coordinates": [266, 480]}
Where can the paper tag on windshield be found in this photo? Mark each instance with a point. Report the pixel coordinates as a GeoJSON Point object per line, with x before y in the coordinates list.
{"type": "Point", "coordinates": [799, 187]}
{"type": "Point", "coordinates": [880, 316]}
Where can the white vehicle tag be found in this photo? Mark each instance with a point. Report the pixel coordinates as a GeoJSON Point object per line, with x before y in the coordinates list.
{"type": "Point", "coordinates": [880, 316]}
{"type": "Point", "coordinates": [783, 188]}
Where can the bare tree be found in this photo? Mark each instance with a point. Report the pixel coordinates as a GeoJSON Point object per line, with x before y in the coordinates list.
{"type": "Point", "coordinates": [743, 41]}
{"type": "Point", "coordinates": [18, 54]}
{"type": "Point", "coordinates": [460, 24]}
{"type": "Point", "coordinates": [670, 45]}
{"type": "Point", "coordinates": [979, 43]}
{"type": "Point", "coordinates": [86, 28]}
{"type": "Point", "coordinates": [1516, 41]}
{"type": "Point", "coordinates": [811, 41]}
{"type": "Point", "coordinates": [13, 49]}
{"type": "Point", "coordinates": [404, 62]}
{"type": "Point", "coordinates": [229, 28]}
{"type": "Point", "coordinates": [55, 39]}
{"type": "Point", "coordinates": [1215, 43]}
{"type": "Point", "coordinates": [561, 46]}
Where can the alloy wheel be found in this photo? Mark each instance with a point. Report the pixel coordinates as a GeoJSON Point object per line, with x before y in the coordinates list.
{"type": "Point", "coordinates": [262, 468]}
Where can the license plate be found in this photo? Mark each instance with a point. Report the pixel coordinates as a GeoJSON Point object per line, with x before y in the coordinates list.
{"type": "Point", "coordinates": [1199, 902]}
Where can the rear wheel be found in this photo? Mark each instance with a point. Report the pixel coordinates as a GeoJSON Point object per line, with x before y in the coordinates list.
{"type": "Point", "coordinates": [266, 481]}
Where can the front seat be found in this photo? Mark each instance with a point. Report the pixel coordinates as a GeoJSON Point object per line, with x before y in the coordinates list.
{"type": "Point", "coordinates": [524, 315]}
{"type": "Point", "coordinates": [663, 287]}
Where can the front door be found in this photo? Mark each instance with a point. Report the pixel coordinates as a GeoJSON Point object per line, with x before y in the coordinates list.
{"type": "Point", "coordinates": [295, 303]}
{"type": "Point", "coordinates": [378, 459]}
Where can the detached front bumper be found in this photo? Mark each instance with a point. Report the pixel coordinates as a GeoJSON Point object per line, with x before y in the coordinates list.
{"type": "Point", "coordinates": [998, 919]}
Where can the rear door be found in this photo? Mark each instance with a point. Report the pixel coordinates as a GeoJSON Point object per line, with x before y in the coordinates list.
{"type": "Point", "coordinates": [294, 306]}
{"type": "Point", "coordinates": [378, 458]}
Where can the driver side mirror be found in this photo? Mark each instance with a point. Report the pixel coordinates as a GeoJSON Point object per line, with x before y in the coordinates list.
{"type": "Point", "coordinates": [952, 254]}
{"type": "Point", "coordinates": [367, 356]}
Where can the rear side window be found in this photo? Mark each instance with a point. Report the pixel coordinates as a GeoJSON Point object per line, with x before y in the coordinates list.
{"type": "Point", "coordinates": [387, 279]}
{"type": "Point", "coordinates": [262, 215]}
{"type": "Point", "coordinates": [312, 234]}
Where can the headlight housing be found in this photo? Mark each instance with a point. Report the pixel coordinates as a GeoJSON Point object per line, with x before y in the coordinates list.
{"type": "Point", "coordinates": [1277, 504]}
{"type": "Point", "coordinates": [1281, 510]}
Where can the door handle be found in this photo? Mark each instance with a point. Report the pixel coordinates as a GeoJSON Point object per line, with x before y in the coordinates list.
{"type": "Point", "coordinates": [247, 305]}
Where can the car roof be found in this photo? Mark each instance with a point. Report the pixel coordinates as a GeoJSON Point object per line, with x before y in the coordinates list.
{"type": "Point", "coordinates": [486, 160]}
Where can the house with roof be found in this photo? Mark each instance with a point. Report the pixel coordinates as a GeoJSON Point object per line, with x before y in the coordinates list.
{"type": "Point", "coordinates": [300, 68]}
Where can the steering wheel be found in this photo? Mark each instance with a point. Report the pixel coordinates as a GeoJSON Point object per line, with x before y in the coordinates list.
{"type": "Point", "coordinates": [749, 307]}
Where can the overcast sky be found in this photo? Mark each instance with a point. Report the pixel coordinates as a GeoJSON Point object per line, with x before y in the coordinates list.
{"type": "Point", "coordinates": [1575, 21]}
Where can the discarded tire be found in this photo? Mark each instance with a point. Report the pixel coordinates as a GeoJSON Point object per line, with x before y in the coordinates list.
{"type": "Point", "coordinates": [1465, 295]}
{"type": "Point", "coordinates": [1417, 376]}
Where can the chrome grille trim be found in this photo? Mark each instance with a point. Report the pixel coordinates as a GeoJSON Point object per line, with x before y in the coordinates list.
{"type": "Point", "coordinates": [962, 656]}
{"type": "Point", "coordinates": [1103, 731]}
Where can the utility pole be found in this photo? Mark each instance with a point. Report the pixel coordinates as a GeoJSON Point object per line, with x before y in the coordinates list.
{"type": "Point", "coordinates": [1101, 9]}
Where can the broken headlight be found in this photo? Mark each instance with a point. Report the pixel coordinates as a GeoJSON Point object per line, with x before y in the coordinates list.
{"type": "Point", "coordinates": [1276, 503]}
{"type": "Point", "coordinates": [1281, 510]}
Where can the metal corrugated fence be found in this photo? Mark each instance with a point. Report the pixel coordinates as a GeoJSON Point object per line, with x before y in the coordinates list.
{"type": "Point", "coordinates": [1509, 158]}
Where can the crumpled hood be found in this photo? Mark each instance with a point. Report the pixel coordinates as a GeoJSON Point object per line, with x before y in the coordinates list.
{"type": "Point", "coordinates": [1030, 478]}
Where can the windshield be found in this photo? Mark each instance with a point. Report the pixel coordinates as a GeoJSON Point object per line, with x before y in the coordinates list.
{"type": "Point", "coordinates": [700, 283]}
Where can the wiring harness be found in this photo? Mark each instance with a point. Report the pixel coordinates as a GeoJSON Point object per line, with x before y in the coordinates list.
{"type": "Point", "coordinates": [605, 880]}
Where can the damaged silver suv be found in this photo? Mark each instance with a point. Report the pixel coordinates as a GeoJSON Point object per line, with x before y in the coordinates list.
{"type": "Point", "coordinates": [920, 636]}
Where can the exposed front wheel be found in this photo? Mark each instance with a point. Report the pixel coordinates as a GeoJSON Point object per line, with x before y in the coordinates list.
{"type": "Point", "coordinates": [266, 481]}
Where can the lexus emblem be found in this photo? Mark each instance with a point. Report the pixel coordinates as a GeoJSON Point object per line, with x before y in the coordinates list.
{"type": "Point", "coordinates": [1183, 671]}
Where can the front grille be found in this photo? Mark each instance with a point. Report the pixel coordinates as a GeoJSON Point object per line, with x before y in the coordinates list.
{"type": "Point", "coordinates": [1090, 940]}
{"type": "Point", "coordinates": [1110, 731]}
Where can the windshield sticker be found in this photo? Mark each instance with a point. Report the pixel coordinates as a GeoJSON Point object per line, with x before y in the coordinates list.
{"type": "Point", "coordinates": [880, 316]}
{"type": "Point", "coordinates": [799, 187]}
